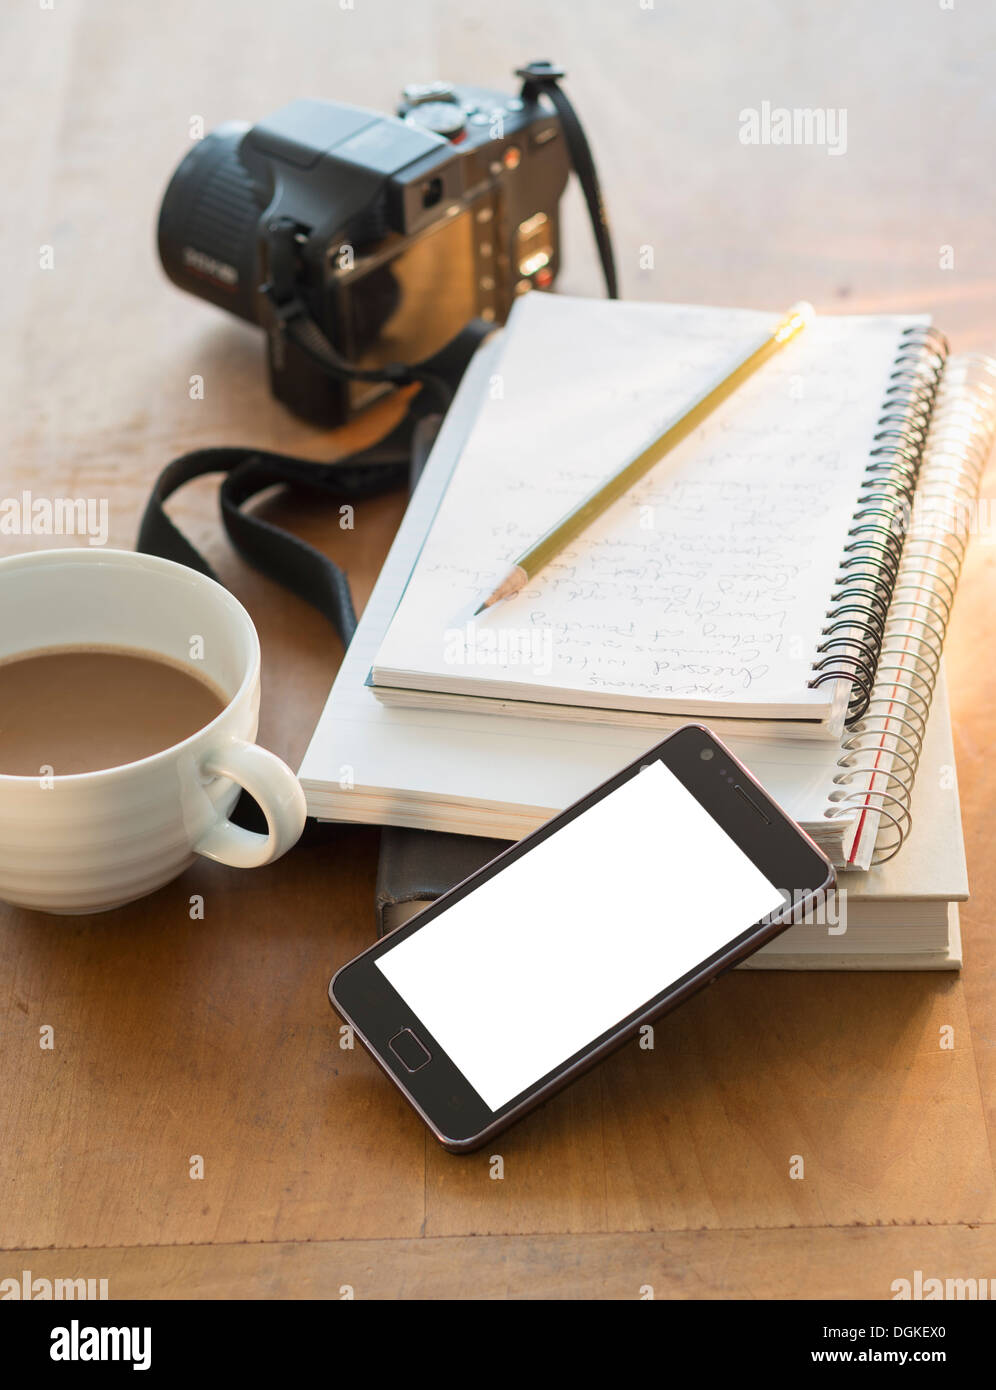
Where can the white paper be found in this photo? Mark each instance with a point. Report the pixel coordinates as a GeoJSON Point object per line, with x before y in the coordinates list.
{"type": "Point", "coordinates": [705, 588]}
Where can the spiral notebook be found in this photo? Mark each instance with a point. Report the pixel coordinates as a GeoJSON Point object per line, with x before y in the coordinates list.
{"type": "Point", "coordinates": [743, 578]}
{"type": "Point", "coordinates": [474, 771]}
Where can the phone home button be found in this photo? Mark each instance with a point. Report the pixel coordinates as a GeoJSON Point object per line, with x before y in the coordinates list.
{"type": "Point", "coordinates": [408, 1050]}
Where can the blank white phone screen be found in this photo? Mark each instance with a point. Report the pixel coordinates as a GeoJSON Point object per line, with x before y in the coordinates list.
{"type": "Point", "coordinates": [578, 933]}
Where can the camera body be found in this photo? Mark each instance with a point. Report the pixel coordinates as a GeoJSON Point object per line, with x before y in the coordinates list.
{"type": "Point", "coordinates": [390, 232]}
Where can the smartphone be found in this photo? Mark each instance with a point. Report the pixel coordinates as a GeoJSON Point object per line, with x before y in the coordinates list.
{"type": "Point", "coordinates": [529, 972]}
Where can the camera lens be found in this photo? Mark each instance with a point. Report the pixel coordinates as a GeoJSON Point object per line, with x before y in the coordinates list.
{"type": "Point", "coordinates": [208, 224]}
{"type": "Point", "coordinates": [706, 754]}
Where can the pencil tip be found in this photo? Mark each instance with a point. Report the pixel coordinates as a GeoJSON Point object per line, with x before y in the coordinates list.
{"type": "Point", "coordinates": [479, 609]}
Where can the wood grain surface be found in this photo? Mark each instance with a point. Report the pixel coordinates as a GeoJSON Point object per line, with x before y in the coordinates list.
{"type": "Point", "coordinates": [175, 1038]}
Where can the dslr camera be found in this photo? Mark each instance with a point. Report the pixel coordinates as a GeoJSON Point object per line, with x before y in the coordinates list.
{"type": "Point", "coordinates": [386, 234]}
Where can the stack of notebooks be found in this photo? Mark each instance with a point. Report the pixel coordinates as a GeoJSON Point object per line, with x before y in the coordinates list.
{"type": "Point", "coordinates": [785, 575]}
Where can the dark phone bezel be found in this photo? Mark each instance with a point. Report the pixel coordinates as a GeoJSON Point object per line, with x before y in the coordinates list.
{"type": "Point", "coordinates": [448, 1104]}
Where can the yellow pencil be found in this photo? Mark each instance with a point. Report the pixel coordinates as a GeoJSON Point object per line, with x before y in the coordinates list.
{"type": "Point", "coordinates": [531, 561]}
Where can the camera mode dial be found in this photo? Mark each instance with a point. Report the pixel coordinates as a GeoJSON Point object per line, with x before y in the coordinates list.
{"type": "Point", "coordinates": [434, 106]}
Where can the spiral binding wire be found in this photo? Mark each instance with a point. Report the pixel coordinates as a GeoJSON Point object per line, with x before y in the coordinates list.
{"type": "Point", "coordinates": [882, 749]}
{"type": "Point", "coordinates": [852, 639]}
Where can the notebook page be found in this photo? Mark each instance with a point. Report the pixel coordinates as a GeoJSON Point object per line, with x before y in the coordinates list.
{"type": "Point", "coordinates": [377, 764]}
{"type": "Point", "coordinates": [704, 589]}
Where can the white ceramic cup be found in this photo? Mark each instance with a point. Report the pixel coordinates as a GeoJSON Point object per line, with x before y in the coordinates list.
{"type": "Point", "coordinates": [95, 840]}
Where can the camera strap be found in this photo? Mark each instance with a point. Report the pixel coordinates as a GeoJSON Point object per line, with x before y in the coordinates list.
{"type": "Point", "coordinates": [542, 78]}
{"type": "Point", "coordinates": [282, 556]}
{"type": "Point", "coordinates": [383, 467]}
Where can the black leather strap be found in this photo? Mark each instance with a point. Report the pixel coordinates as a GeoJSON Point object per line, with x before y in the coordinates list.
{"type": "Point", "coordinates": [277, 553]}
{"type": "Point", "coordinates": [543, 79]}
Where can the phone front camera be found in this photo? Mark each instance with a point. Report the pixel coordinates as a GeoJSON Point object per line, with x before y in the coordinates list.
{"type": "Point", "coordinates": [706, 754]}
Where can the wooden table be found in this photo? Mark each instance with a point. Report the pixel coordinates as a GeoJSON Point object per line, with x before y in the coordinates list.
{"type": "Point", "coordinates": [176, 1038]}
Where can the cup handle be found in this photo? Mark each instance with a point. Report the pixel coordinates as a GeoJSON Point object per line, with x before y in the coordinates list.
{"type": "Point", "coordinates": [280, 798]}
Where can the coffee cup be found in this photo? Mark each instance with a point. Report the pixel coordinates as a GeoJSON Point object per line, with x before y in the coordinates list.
{"type": "Point", "coordinates": [90, 841]}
